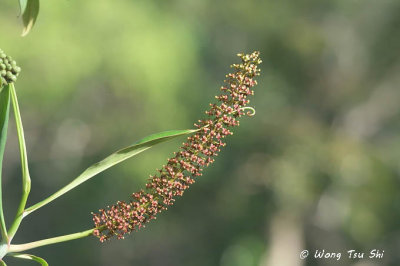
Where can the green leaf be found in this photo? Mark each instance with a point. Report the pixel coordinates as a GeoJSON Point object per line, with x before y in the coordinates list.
{"type": "Point", "coordinates": [113, 159]}
{"type": "Point", "coordinates": [22, 5]}
{"type": "Point", "coordinates": [2, 263]}
{"type": "Point", "coordinates": [4, 115]}
{"type": "Point", "coordinates": [29, 11]}
{"type": "Point", "coordinates": [26, 180]}
{"type": "Point", "coordinates": [29, 257]}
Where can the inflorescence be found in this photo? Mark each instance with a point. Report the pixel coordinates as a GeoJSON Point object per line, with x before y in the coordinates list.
{"type": "Point", "coordinates": [186, 164]}
{"type": "Point", "coordinates": [8, 69]}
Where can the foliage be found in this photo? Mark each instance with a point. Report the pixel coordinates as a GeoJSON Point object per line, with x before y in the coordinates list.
{"type": "Point", "coordinates": [29, 13]}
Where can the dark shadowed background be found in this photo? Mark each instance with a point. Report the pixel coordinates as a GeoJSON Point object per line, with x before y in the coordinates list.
{"type": "Point", "coordinates": [316, 168]}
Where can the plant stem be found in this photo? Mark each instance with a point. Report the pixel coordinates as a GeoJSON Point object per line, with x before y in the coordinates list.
{"type": "Point", "coordinates": [49, 241]}
{"type": "Point", "coordinates": [26, 180]}
{"type": "Point", "coordinates": [3, 250]}
{"type": "Point", "coordinates": [4, 115]}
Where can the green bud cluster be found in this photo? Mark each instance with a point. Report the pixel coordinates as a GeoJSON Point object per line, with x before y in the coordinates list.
{"type": "Point", "coordinates": [8, 69]}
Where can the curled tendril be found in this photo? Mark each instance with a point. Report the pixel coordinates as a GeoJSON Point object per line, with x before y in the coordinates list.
{"type": "Point", "coordinates": [251, 111]}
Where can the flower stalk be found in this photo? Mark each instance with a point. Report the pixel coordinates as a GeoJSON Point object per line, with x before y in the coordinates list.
{"type": "Point", "coordinates": [49, 241]}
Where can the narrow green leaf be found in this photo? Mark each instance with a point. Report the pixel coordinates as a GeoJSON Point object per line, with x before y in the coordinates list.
{"type": "Point", "coordinates": [113, 159]}
{"type": "Point", "coordinates": [4, 115]}
{"type": "Point", "coordinates": [26, 179]}
{"type": "Point", "coordinates": [29, 257]}
{"type": "Point", "coordinates": [30, 11]}
{"type": "Point", "coordinates": [22, 5]}
{"type": "Point", "coordinates": [2, 263]}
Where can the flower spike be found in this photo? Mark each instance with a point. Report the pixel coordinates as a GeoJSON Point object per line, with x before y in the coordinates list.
{"type": "Point", "coordinates": [187, 164]}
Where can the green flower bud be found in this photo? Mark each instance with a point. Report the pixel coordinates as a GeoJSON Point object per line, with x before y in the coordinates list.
{"type": "Point", "coordinates": [8, 69]}
{"type": "Point", "coordinates": [16, 69]}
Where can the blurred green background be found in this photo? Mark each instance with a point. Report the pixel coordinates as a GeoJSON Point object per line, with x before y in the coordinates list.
{"type": "Point", "coordinates": [316, 168]}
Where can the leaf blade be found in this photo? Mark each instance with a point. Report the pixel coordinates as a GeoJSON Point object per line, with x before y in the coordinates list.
{"type": "Point", "coordinates": [22, 5]}
{"type": "Point", "coordinates": [113, 159]}
{"type": "Point", "coordinates": [29, 257]}
{"type": "Point", "coordinates": [29, 11]}
{"type": "Point", "coordinates": [26, 179]}
{"type": "Point", "coordinates": [4, 116]}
